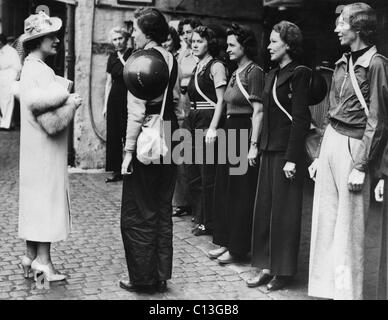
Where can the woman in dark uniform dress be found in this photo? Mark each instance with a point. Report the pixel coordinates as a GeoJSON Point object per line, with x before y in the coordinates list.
{"type": "Point", "coordinates": [146, 220]}
{"type": "Point", "coordinates": [234, 194]}
{"type": "Point", "coordinates": [278, 207]}
{"type": "Point", "coordinates": [115, 108]}
{"type": "Point", "coordinates": [205, 113]}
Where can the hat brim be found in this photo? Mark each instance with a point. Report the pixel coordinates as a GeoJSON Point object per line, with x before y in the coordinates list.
{"type": "Point", "coordinates": [55, 27]}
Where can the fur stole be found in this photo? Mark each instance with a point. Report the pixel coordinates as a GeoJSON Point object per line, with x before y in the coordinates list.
{"type": "Point", "coordinates": [40, 100]}
{"type": "Point", "coordinates": [54, 122]}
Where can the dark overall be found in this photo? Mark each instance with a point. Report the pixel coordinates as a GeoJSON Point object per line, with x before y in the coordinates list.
{"type": "Point", "coordinates": [116, 114]}
{"type": "Point", "coordinates": [146, 221]}
{"type": "Point", "coordinates": [201, 175]}
{"type": "Point", "coordinates": [278, 206]}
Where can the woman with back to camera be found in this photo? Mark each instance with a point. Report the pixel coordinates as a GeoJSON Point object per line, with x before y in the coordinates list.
{"type": "Point", "coordinates": [44, 203]}
{"type": "Point", "coordinates": [234, 194]}
{"type": "Point", "coordinates": [351, 143]}
{"type": "Point", "coordinates": [115, 103]}
{"type": "Point", "coordinates": [286, 121]}
{"type": "Point", "coordinates": [146, 222]}
{"type": "Point", "coordinates": [206, 92]}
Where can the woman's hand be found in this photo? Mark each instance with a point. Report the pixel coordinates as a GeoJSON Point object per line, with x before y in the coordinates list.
{"type": "Point", "coordinates": [252, 155]}
{"type": "Point", "coordinates": [77, 100]}
{"type": "Point", "coordinates": [356, 180]}
{"type": "Point", "coordinates": [211, 136]}
{"type": "Point", "coordinates": [126, 167]}
{"type": "Point", "coordinates": [289, 170]}
{"type": "Point", "coordinates": [379, 191]}
{"type": "Point", "coordinates": [313, 169]}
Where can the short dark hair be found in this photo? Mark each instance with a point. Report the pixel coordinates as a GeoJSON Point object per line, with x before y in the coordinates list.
{"type": "Point", "coordinates": [192, 22]}
{"type": "Point", "coordinates": [362, 18]}
{"type": "Point", "coordinates": [211, 38]}
{"type": "Point", "coordinates": [31, 45]}
{"type": "Point", "coordinates": [246, 38]}
{"type": "Point", "coordinates": [3, 38]}
{"type": "Point", "coordinates": [291, 35]}
{"type": "Point", "coordinates": [176, 41]}
{"type": "Point", "coordinates": [153, 24]}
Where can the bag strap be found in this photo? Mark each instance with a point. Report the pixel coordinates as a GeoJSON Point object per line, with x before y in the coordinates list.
{"type": "Point", "coordinates": [356, 87]}
{"type": "Point", "coordinates": [240, 86]}
{"type": "Point", "coordinates": [170, 66]}
{"type": "Point", "coordinates": [275, 97]}
{"type": "Point", "coordinates": [121, 58]}
{"type": "Point", "coordinates": [199, 89]}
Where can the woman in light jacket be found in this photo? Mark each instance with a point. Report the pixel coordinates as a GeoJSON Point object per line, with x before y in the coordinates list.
{"type": "Point", "coordinates": [342, 172]}
{"type": "Point", "coordinates": [44, 203]}
{"type": "Point", "coordinates": [146, 220]}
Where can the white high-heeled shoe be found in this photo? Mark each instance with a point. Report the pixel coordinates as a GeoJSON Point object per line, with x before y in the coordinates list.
{"type": "Point", "coordinates": [47, 270]}
{"type": "Point", "coordinates": [26, 265]}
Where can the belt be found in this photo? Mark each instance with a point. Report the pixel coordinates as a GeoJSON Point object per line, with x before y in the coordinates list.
{"type": "Point", "coordinates": [202, 105]}
{"type": "Point", "coordinates": [239, 115]}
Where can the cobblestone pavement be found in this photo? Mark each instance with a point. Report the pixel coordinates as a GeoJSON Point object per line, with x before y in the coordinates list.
{"type": "Point", "coordinates": [93, 256]}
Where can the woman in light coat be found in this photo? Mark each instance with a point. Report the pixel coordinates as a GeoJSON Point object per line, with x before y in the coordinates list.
{"type": "Point", "coordinates": [44, 208]}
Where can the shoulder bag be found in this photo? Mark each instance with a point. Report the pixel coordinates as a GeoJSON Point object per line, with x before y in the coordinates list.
{"type": "Point", "coordinates": [151, 143]}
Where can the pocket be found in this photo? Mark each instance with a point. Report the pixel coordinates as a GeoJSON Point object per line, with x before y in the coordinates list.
{"type": "Point", "coordinates": [353, 144]}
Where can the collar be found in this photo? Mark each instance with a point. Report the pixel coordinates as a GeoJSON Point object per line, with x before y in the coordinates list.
{"type": "Point", "coordinates": [362, 61]}
{"type": "Point", "coordinates": [150, 45]}
{"type": "Point", "coordinates": [32, 58]}
{"type": "Point", "coordinates": [202, 64]}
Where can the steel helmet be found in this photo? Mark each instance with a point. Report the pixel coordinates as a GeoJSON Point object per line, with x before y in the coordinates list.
{"type": "Point", "coordinates": [146, 74]}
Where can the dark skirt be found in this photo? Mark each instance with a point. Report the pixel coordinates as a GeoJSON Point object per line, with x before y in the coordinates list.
{"type": "Point", "coordinates": [277, 216]}
{"type": "Point", "coordinates": [181, 196]}
{"type": "Point", "coordinates": [201, 176]}
{"type": "Point", "coordinates": [116, 121]}
{"type": "Point", "coordinates": [146, 221]}
{"type": "Point", "coordinates": [234, 195]}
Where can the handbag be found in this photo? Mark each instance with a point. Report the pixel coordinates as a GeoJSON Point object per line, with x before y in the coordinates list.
{"type": "Point", "coordinates": [151, 142]}
{"type": "Point", "coordinates": [314, 136]}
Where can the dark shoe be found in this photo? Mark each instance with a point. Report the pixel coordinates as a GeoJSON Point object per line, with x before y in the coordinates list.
{"type": "Point", "coordinates": [259, 280]}
{"type": "Point", "coordinates": [200, 230]}
{"type": "Point", "coordinates": [161, 286]}
{"type": "Point", "coordinates": [278, 282]}
{"type": "Point", "coordinates": [137, 288]}
{"type": "Point", "coordinates": [180, 211]}
{"type": "Point", "coordinates": [116, 177]}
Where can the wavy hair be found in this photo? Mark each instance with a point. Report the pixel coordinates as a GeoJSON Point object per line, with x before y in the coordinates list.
{"type": "Point", "coordinates": [213, 44]}
{"type": "Point", "coordinates": [362, 19]}
{"type": "Point", "coordinates": [245, 37]}
{"type": "Point", "coordinates": [291, 35]}
{"type": "Point", "coordinates": [152, 23]}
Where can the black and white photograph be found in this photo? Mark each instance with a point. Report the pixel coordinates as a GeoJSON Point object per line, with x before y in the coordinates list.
{"type": "Point", "coordinates": [202, 152]}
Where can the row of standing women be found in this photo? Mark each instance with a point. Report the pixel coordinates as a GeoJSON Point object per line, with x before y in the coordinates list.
{"type": "Point", "coordinates": [267, 221]}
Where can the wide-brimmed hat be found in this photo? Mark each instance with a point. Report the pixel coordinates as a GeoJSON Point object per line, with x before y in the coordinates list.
{"type": "Point", "coordinates": [39, 25]}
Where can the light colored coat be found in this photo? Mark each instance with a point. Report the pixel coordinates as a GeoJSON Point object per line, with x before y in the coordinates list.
{"type": "Point", "coordinates": [10, 66]}
{"type": "Point", "coordinates": [44, 203]}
